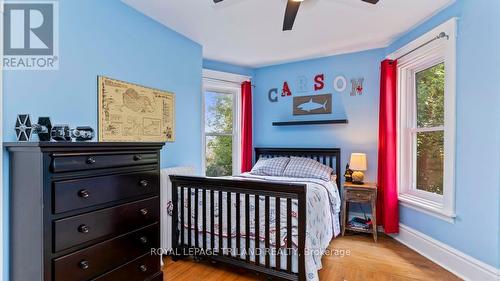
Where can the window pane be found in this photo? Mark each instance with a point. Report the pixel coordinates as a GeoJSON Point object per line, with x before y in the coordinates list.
{"type": "Point", "coordinates": [219, 156]}
{"type": "Point", "coordinates": [218, 112]}
{"type": "Point", "coordinates": [430, 96]}
{"type": "Point", "coordinates": [430, 159]}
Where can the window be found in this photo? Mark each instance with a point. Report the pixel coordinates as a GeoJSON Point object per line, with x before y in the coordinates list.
{"type": "Point", "coordinates": [221, 123]}
{"type": "Point", "coordinates": [218, 133]}
{"type": "Point", "coordinates": [426, 135]}
{"type": "Point", "coordinates": [428, 132]}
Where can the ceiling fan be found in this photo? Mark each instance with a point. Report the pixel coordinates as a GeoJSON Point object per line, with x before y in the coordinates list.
{"type": "Point", "coordinates": [292, 7]}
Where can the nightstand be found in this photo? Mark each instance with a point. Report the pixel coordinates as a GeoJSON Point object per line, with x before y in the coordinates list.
{"type": "Point", "coordinates": [359, 193]}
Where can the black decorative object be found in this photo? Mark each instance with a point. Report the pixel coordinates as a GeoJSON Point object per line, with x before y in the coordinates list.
{"type": "Point", "coordinates": [25, 128]}
{"type": "Point", "coordinates": [348, 173]}
{"type": "Point", "coordinates": [60, 133]}
{"type": "Point", "coordinates": [83, 133]}
{"type": "Point", "coordinates": [64, 133]}
{"type": "Point", "coordinates": [312, 122]}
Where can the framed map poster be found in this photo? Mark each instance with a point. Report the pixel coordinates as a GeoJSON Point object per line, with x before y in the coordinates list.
{"type": "Point", "coordinates": [134, 113]}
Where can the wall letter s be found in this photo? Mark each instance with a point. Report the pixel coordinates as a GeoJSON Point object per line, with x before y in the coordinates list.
{"type": "Point", "coordinates": [319, 82]}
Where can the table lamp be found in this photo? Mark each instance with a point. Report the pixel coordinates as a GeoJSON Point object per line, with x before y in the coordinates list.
{"type": "Point", "coordinates": [358, 165]}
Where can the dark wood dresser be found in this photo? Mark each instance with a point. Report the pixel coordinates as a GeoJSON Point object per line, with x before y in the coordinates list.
{"type": "Point", "coordinates": [84, 211]}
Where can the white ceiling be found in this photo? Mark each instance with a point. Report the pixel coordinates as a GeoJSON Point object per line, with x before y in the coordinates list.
{"type": "Point", "coordinates": [248, 32]}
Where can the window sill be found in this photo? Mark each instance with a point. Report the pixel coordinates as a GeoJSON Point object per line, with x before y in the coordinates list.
{"type": "Point", "coordinates": [426, 206]}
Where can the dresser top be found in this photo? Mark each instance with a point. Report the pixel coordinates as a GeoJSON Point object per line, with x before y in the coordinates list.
{"type": "Point", "coordinates": [49, 145]}
{"type": "Point", "coordinates": [78, 143]}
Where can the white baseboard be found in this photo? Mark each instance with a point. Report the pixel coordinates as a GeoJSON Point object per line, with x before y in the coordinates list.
{"type": "Point", "coordinates": [460, 264]}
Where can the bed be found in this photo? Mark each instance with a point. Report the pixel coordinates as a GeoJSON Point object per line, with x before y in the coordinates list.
{"type": "Point", "coordinates": [234, 220]}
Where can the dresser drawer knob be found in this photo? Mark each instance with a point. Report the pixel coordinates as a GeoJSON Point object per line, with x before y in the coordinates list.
{"type": "Point", "coordinates": [84, 265]}
{"type": "Point", "coordinates": [83, 228]}
{"type": "Point", "coordinates": [143, 239]}
{"type": "Point", "coordinates": [143, 268]}
{"type": "Point", "coordinates": [144, 183]}
{"type": "Point", "coordinates": [137, 157]}
{"type": "Point", "coordinates": [144, 211]}
{"type": "Point", "coordinates": [90, 160]}
{"type": "Point", "coordinates": [83, 193]}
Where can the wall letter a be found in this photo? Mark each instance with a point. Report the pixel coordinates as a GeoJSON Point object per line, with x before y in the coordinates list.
{"type": "Point", "coordinates": [286, 90]}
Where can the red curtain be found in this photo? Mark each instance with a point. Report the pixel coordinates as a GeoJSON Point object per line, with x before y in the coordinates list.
{"type": "Point", "coordinates": [387, 205]}
{"type": "Point", "coordinates": [246, 126]}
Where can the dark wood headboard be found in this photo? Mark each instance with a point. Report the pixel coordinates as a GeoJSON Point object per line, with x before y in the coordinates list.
{"type": "Point", "coordinates": [327, 156]}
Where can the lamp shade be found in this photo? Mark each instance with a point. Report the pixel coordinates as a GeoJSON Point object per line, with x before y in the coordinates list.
{"type": "Point", "coordinates": [358, 162]}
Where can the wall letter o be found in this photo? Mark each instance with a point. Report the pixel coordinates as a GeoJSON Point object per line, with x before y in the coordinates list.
{"type": "Point", "coordinates": [342, 81]}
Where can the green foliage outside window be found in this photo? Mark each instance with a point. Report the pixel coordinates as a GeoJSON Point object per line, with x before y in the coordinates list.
{"type": "Point", "coordinates": [430, 113]}
{"type": "Point", "coordinates": [219, 121]}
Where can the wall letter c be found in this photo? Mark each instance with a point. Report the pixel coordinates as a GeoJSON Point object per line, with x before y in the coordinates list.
{"type": "Point", "coordinates": [271, 97]}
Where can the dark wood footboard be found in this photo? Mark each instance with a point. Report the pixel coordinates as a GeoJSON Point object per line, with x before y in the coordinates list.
{"type": "Point", "coordinates": [243, 191]}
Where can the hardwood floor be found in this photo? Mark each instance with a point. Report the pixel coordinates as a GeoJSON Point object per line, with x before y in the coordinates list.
{"type": "Point", "coordinates": [387, 260]}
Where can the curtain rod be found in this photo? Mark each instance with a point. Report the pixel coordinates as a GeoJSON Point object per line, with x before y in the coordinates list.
{"type": "Point", "coordinates": [227, 81]}
{"type": "Point", "coordinates": [439, 36]}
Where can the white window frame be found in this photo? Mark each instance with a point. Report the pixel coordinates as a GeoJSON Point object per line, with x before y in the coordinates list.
{"type": "Point", "coordinates": [439, 51]}
{"type": "Point", "coordinates": [4, 185]}
{"type": "Point", "coordinates": [228, 83]}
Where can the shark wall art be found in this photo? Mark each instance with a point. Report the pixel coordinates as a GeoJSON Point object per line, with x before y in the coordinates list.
{"type": "Point", "coordinates": [316, 104]}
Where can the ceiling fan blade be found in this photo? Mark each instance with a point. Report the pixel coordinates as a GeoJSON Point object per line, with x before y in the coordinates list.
{"type": "Point", "coordinates": [367, 1]}
{"type": "Point", "coordinates": [217, 1]}
{"type": "Point", "coordinates": [292, 7]}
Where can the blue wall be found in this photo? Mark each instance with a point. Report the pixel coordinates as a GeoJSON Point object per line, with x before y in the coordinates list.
{"type": "Point", "coordinates": [109, 38]}
{"type": "Point", "coordinates": [476, 229]}
{"type": "Point", "coordinates": [226, 67]}
{"type": "Point", "coordinates": [360, 135]}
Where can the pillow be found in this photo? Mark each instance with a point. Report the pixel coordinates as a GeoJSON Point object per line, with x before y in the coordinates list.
{"type": "Point", "coordinates": [299, 167]}
{"type": "Point", "coordinates": [270, 166]}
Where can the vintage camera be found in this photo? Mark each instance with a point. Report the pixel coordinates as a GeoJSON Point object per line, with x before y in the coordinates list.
{"type": "Point", "coordinates": [64, 133]}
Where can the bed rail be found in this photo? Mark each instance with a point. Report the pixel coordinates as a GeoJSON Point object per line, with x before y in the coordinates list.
{"type": "Point", "coordinates": [282, 195]}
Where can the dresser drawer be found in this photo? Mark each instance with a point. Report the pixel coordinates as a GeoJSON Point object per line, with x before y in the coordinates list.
{"type": "Point", "coordinates": [81, 193]}
{"type": "Point", "coordinates": [157, 277]}
{"type": "Point", "coordinates": [67, 162]}
{"type": "Point", "coordinates": [79, 229]}
{"type": "Point", "coordinates": [137, 270]}
{"type": "Point", "coordinates": [359, 195]}
{"type": "Point", "coordinates": [101, 258]}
